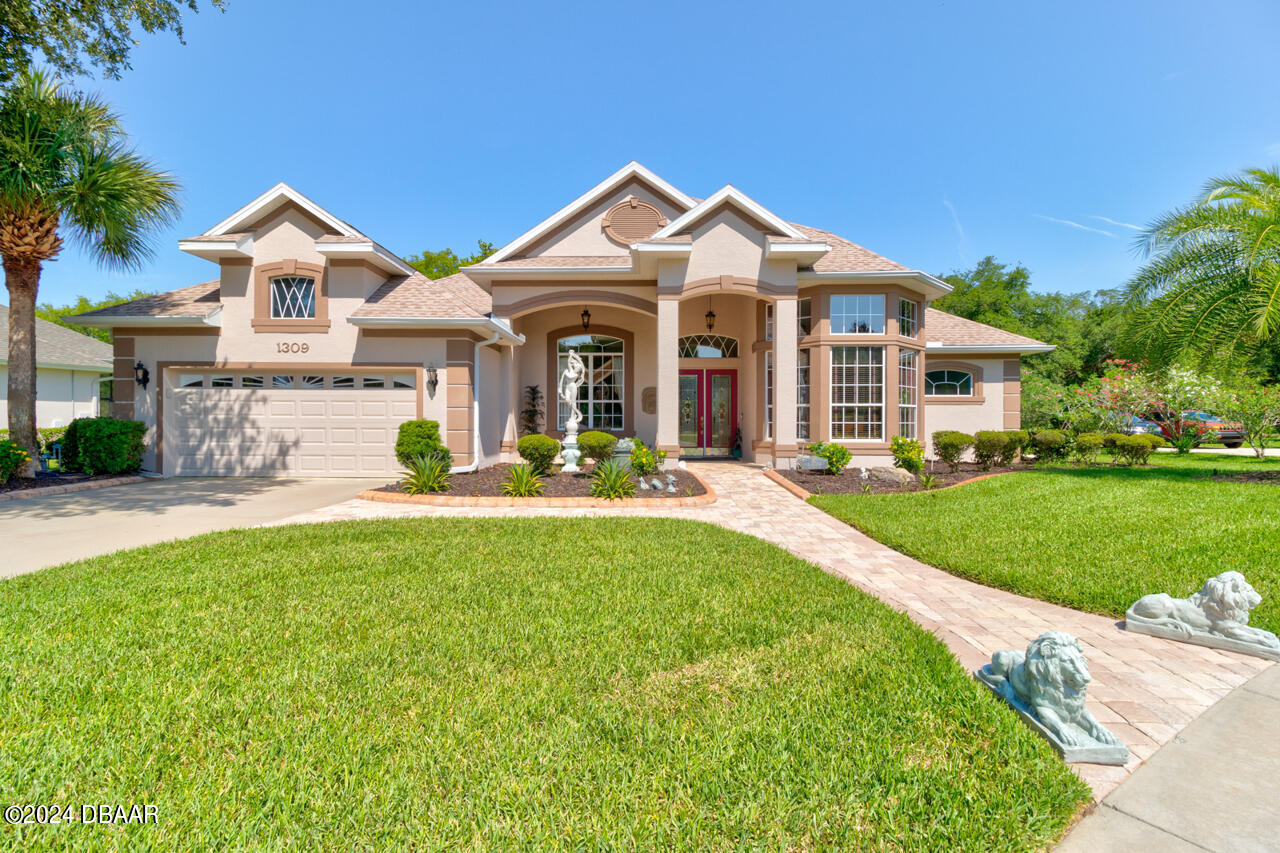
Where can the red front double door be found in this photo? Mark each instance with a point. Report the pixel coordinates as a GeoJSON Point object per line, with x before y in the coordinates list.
{"type": "Point", "coordinates": [708, 412]}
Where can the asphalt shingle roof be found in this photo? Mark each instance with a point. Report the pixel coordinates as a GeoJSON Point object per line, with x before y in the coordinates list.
{"type": "Point", "coordinates": [198, 299]}
{"type": "Point", "coordinates": [59, 346]}
{"type": "Point", "coordinates": [418, 296]}
{"type": "Point", "coordinates": [950, 330]}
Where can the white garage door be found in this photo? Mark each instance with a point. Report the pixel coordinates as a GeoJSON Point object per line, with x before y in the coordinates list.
{"type": "Point", "coordinates": [245, 424]}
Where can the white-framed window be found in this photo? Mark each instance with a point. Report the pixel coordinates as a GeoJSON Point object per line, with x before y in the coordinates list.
{"type": "Point", "coordinates": [768, 321]}
{"type": "Point", "coordinates": [857, 393]}
{"type": "Point", "coordinates": [601, 397]}
{"type": "Point", "coordinates": [857, 314]}
{"type": "Point", "coordinates": [279, 381]}
{"type": "Point", "coordinates": [908, 375]}
{"type": "Point", "coordinates": [252, 381]}
{"type": "Point", "coordinates": [191, 380]}
{"type": "Point", "coordinates": [313, 382]}
{"type": "Point", "coordinates": [221, 381]}
{"type": "Point", "coordinates": [768, 395]}
{"type": "Point", "coordinates": [804, 316]}
{"type": "Point", "coordinates": [344, 382]}
{"type": "Point", "coordinates": [948, 383]}
{"type": "Point", "coordinates": [293, 297]}
{"type": "Point", "coordinates": [373, 382]}
{"type": "Point", "coordinates": [802, 395]}
{"type": "Point", "coordinates": [707, 346]}
{"type": "Point", "coordinates": [908, 318]}
{"type": "Point", "coordinates": [403, 381]}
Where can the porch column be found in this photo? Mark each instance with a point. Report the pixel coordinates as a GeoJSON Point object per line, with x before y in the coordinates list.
{"type": "Point", "coordinates": [668, 376]}
{"type": "Point", "coordinates": [784, 382]}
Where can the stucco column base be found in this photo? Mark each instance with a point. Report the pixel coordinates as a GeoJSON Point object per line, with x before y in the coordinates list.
{"type": "Point", "coordinates": [784, 456]}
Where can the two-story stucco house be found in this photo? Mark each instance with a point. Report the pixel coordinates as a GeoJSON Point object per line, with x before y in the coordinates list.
{"type": "Point", "coordinates": [709, 327]}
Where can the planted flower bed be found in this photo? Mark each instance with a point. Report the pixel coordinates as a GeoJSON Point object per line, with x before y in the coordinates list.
{"type": "Point", "coordinates": [489, 482]}
{"type": "Point", "coordinates": [879, 482]}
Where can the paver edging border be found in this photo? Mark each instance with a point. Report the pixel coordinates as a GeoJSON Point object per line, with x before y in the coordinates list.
{"type": "Point", "coordinates": [22, 494]}
{"type": "Point", "coordinates": [804, 494]}
{"type": "Point", "coordinates": [494, 501]}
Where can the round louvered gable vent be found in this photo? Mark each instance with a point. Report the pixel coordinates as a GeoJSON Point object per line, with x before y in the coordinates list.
{"type": "Point", "coordinates": [632, 219]}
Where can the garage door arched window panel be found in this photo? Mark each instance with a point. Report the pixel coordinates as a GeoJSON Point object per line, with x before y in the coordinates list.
{"type": "Point", "coordinates": [707, 346]}
{"type": "Point", "coordinates": [948, 383]}
{"type": "Point", "coordinates": [293, 297]}
{"type": "Point", "coordinates": [601, 396]}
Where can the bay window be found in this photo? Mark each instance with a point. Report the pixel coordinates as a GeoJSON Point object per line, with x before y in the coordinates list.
{"type": "Point", "coordinates": [857, 393]}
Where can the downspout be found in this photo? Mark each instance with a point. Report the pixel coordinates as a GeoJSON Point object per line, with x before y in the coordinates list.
{"type": "Point", "coordinates": [475, 406]}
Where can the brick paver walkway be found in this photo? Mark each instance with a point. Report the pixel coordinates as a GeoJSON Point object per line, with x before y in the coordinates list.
{"type": "Point", "coordinates": [1144, 689]}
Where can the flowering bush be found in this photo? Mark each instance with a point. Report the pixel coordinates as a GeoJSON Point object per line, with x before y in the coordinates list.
{"type": "Point", "coordinates": [12, 459]}
{"type": "Point", "coordinates": [644, 461]}
{"type": "Point", "coordinates": [1255, 407]}
{"type": "Point", "coordinates": [908, 454]}
{"type": "Point", "coordinates": [836, 455]}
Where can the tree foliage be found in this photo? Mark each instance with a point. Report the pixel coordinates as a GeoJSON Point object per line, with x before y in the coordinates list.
{"type": "Point", "coordinates": [71, 35]}
{"type": "Point", "coordinates": [1210, 290]}
{"type": "Point", "coordinates": [1083, 326]}
{"type": "Point", "coordinates": [445, 262]}
{"type": "Point", "coordinates": [55, 313]}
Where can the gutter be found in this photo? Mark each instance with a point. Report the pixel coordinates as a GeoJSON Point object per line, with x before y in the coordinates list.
{"type": "Point", "coordinates": [475, 406]}
{"type": "Point", "coordinates": [957, 349]}
{"type": "Point", "coordinates": [489, 324]}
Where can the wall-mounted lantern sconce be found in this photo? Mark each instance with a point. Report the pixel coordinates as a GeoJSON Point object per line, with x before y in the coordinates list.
{"type": "Point", "coordinates": [711, 319]}
{"type": "Point", "coordinates": [433, 379]}
{"type": "Point", "coordinates": [586, 319]}
{"type": "Point", "coordinates": [141, 374]}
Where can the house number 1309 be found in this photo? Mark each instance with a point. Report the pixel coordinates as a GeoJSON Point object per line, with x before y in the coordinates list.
{"type": "Point", "coordinates": [286, 346]}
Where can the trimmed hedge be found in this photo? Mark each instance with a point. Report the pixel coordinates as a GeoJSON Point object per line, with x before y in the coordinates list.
{"type": "Point", "coordinates": [103, 446]}
{"type": "Point", "coordinates": [421, 440]}
{"type": "Point", "coordinates": [949, 445]}
{"type": "Point", "coordinates": [1018, 439]}
{"type": "Point", "coordinates": [539, 451]}
{"type": "Point", "coordinates": [989, 447]}
{"type": "Point", "coordinates": [1051, 444]}
{"type": "Point", "coordinates": [596, 445]}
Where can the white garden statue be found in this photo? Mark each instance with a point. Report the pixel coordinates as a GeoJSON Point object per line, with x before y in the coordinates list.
{"type": "Point", "coordinates": [1217, 616]}
{"type": "Point", "coordinates": [575, 374]}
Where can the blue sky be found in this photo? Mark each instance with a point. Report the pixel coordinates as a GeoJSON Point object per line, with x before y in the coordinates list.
{"type": "Point", "coordinates": [933, 133]}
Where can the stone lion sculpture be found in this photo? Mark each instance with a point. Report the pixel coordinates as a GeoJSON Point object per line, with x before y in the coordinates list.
{"type": "Point", "coordinates": [1046, 685]}
{"type": "Point", "coordinates": [1217, 616]}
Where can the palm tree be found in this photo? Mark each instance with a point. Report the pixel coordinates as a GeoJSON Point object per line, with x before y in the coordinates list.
{"type": "Point", "coordinates": [65, 166]}
{"type": "Point", "coordinates": [1210, 290]}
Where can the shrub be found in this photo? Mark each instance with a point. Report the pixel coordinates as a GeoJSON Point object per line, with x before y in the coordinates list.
{"type": "Point", "coordinates": [908, 454]}
{"type": "Point", "coordinates": [1135, 449]}
{"type": "Point", "coordinates": [103, 446]}
{"type": "Point", "coordinates": [522, 482]}
{"type": "Point", "coordinates": [836, 455]}
{"type": "Point", "coordinates": [949, 446]}
{"type": "Point", "coordinates": [13, 457]}
{"type": "Point", "coordinates": [539, 451]}
{"type": "Point", "coordinates": [427, 475]}
{"type": "Point", "coordinates": [1086, 447]}
{"type": "Point", "coordinates": [1109, 440]}
{"type": "Point", "coordinates": [597, 446]}
{"type": "Point", "coordinates": [420, 438]}
{"type": "Point", "coordinates": [611, 479]}
{"type": "Point", "coordinates": [1017, 441]}
{"type": "Point", "coordinates": [989, 446]}
{"type": "Point", "coordinates": [644, 460]}
{"type": "Point", "coordinates": [1051, 444]}
{"type": "Point", "coordinates": [928, 481]}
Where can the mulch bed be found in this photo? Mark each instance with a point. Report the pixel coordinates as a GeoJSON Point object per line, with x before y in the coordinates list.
{"type": "Point", "coordinates": [45, 479]}
{"type": "Point", "coordinates": [487, 482]}
{"type": "Point", "coordinates": [851, 482]}
{"type": "Point", "coordinates": [1272, 477]}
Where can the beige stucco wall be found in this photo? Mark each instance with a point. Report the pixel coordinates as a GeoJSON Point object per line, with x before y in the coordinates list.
{"type": "Point", "coordinates": [726, 244]}
{"type": "Point", "coordinates": [989, 414]}
{"type": "Point", "coordinates": [584, 235]}
{"type": "Point", "coordinates": [61, 396]}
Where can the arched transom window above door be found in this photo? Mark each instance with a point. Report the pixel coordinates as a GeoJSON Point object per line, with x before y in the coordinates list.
{"type": "Point", "coordinates": [708, 346]}
{"type": "Point", "coordinates": [602, 395]}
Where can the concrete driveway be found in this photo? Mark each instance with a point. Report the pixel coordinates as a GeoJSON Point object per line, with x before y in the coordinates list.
{"type": "Point", "coordinates": [41, 532]}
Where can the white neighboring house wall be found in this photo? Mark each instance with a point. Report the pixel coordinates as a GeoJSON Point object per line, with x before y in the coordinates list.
{"type": "Point", "coordinates": [61, 396]}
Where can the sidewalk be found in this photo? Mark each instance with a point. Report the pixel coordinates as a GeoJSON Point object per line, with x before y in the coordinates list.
{"type": "Point", "coordinates": [1215, 786]}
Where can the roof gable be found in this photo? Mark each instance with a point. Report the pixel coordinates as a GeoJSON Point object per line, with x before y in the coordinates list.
{"type": "Point", "coordinates": [631, 172]}
{"type": "Point", "coordinates": [729, 195]}
{"type": "Point", "coordinates": [265, 205]}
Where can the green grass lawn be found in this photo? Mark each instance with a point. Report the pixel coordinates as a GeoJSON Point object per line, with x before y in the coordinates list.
{"type": "Point", "coordinates": [1091, 538]}
{"type": "Point", "coordinates": [515, 684]}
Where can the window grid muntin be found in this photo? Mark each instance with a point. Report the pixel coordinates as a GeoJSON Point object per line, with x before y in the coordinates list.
{"type": "Point", "coordinates": [802, 394]}
{"type": "Point", "coordinates": [948, 383]}
{"type": "Point", "coordinates": [857, 313]}
{"type": "Point", "coordinates": [768, 395]}
{"type": "Point", "coordinates": [857, 393]}
{"type": "Point", "coordinates": [908, 376]}
{"type": "Point", "coordinates": [768, 321]}
{"type": "Point", "coordinates": [707, 346]}
{"type": "Point", "coordinates": [601, 398]}
{"type": "Point", "coordinates": [908, 318]}
{"type": "Point", "coordinates": [804, 316]}
{"type": "Point", "coordinates": [293, 297]}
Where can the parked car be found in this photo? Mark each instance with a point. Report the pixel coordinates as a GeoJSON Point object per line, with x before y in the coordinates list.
{"type": "Point", "coordinates": [1134, 425]}
{"type": "Point", "coordinates": [1230, 434]}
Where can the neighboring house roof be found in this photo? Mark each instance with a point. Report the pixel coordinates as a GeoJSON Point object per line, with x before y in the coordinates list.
{"type": "Point", "coordinates": [945, 332]}
{"type": "Point", "coordinates": [60, 347]}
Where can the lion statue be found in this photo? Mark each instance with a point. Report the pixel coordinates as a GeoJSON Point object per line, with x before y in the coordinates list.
{"type": "Point", "coordinates": [1221, 609]}
{"type": "Point", "coordinates": [1049, 681]}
